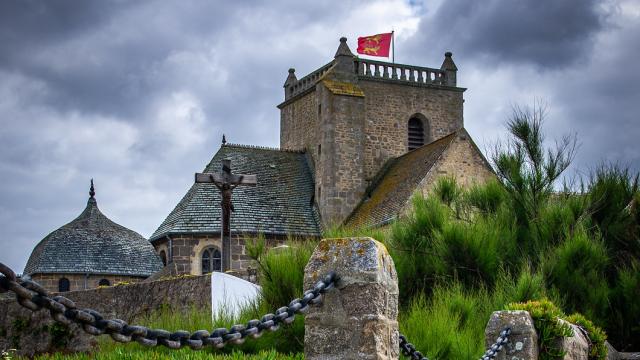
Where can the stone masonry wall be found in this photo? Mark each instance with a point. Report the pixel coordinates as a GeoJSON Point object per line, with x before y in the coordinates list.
{"type": "Point", "coordinates": [339, 176]}
{"type": "Point", "coordinates": [187, 252]}
{"type": "Point", "coordinates": [299, 124]}
{"type": "Point", "coordinates": [34, 333]}
{"type": "Point", "coordinates": [389, 106]}
{"type": "Point", "coordinates": [461, 160]}
{"type": "Point", "coordinates": [81, 281]}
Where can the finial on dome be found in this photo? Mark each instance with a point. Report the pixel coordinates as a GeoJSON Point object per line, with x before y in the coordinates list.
{"type": "Point", "coordinates": [92, 190]}
{"type": "Point", "coordinates": [224, 139]}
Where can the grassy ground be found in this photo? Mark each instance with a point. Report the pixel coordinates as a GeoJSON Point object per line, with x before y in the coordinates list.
{"type": "Point", "coordinates": [130, 353]}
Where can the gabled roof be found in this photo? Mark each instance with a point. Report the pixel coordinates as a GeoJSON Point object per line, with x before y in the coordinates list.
{"type": "Point", "coordinates": [93, 244]}
{"type": "Point", "coordinates": [395, 183]}
{"type": "Point", "coordinates": [281, 203]}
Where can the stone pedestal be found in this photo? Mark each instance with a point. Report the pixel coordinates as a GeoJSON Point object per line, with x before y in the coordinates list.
{"type": "Point", "coordinates": [523, 341]}
{"type": "Point", "coordinates": [357, 319]}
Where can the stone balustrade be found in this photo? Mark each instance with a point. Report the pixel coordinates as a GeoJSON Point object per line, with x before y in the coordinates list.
{"type": "Point", "coordinates": [372, 69]}
{"type": "Point", "coordinates": [391, 71]}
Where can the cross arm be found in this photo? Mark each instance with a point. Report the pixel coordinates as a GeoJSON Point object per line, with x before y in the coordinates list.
{"type": "Point", "coordinates": [230, 179]}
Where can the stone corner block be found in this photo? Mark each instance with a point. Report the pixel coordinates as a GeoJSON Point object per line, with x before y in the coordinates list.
{"type": "Point", "coordinates": [523, 341]}
{"type": "Point", "coordinates": [357, 319]}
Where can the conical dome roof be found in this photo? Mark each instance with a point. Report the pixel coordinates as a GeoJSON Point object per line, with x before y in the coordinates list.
{"type": "Point", "coordinates": [93, 244]}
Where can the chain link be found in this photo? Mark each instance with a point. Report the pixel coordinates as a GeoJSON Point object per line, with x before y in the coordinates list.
{"type": "Point", "coordinates": [34, 297]}
{"type": "Point", "coordinates": [409, 350]}
{"type": "Point", "coordinates": [494, 349]}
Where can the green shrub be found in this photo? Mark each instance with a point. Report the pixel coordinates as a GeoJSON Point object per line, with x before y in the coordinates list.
{"type": "Point", "coordinates": [558, 218]}
{"type": "Point", "coordinates": [546, 317]}
{"type": "Point", "coordinates": [467, 255]}
{"type": "Point", "coordinates": [487, 198]}
{"type": "Point", "coordinates": [281, 273]}
{"type": "Point", "coordinates": [411, 245]}
{"type": "Point", "coordinates": [577, 269]}
{"type": "Point", "coordinates": [625, 328]}
{"type": "Point", "coordinates": [612, 191]}
{"type": "Point", "coordinates": [528, 286]}
{"type": "Point", "coordinates": [598, 349]}
{"type": "Point", "coordinates": [446, 190]}
{"type": "Point", "coordinates": [447, 326]}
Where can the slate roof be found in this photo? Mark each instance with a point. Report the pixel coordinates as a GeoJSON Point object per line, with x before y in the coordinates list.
{"type": "Point", "coordinates": [281, 203]}
{"type": "Point", "coordinates": [96, 245]}
{"type": "Point", "coordinates": [395, 183]}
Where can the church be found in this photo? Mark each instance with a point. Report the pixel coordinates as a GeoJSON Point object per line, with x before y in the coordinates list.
{"type": "Point", "coordinates": [358, 138]}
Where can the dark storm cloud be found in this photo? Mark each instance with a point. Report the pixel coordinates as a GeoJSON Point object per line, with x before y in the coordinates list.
{"type": "Point", "coordinates": [27, 23]}
{"type": "Point", "coordinates": [547, 33]}
{"type": "Point", "coordinates": [136, 94]}
{"type": "Point", "coordinates": [98, 56]}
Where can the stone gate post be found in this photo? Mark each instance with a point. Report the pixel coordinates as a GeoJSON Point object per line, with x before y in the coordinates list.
{"type": "Point", "coordinates": [523, 341]}
{"type": "Point", "coordinates": [358, 318]}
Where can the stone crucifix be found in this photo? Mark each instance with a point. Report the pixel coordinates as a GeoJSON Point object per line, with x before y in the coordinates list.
{"type": "Point", "coordinates": [225, 181]}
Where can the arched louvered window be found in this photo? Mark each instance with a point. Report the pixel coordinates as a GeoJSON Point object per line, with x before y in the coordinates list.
{"type": "Point", "coordinates": [104, 282]}
{"type": "Point", "coordinates": [163, 257]}
{"type": "Point", "coordinates": [415, 133]}
{"type": "Point", "coordinates": [64, 285]}
{"type": "Point", "coordinates": [211, 260]}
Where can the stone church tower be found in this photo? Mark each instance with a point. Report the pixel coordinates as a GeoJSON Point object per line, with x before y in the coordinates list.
{"type": "Point", "coordinates": [357, 139]}
{"type": "Point", "coordinates": [353, 115]}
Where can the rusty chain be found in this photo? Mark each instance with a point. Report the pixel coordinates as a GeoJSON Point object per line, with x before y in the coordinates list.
{"type": "Point", "coordinates": [409, 350]}
{"type": "Point", "coordinates": [34, 297]}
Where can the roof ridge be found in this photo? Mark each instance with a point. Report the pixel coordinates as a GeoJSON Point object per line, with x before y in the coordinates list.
{"type": "Point", "coordinates": [263, 148]}
{"type": "Point", "coordinates": [392, 164]}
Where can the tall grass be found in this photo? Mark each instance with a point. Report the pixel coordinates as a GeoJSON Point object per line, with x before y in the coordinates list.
{"type": "Point", "coordinates": [450, 323]}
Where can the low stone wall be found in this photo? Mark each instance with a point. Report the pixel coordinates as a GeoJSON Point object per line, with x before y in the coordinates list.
{"type": "Point", "coordinates": [32, 333]}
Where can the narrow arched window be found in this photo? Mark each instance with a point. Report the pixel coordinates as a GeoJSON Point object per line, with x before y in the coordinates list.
{"type": "Point", "coordinates": [163, 257]}
{"type": "Point", "coordinates": [104, 282]}
{"type": "Point", "coordinates": [211, 260]}
{"type": "Point", "coordinates": [415, 133]}
{"type": "Point", "coordinates": [64, 285]}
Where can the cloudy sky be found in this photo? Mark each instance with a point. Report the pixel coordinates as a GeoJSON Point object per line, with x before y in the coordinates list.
{"type": "Point", "coordinates": [137, 94]}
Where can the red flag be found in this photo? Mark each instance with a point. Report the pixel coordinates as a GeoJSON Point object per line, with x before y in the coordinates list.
{"type": "Point", "coordinates": [375, 45]}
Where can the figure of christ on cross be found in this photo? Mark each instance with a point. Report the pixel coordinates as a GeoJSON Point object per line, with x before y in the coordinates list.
{"type": "Point", "coordinates": [225, 181]}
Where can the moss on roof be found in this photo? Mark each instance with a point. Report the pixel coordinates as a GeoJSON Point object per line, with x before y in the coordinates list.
{"type": "Point", "coordinates": [343, 88]}
{"type": "Point", "coordinates": [396, 183]}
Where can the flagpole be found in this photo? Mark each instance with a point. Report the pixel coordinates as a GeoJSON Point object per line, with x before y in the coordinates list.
{"type": "Point", "coordinates": [393, 46]}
